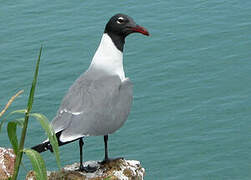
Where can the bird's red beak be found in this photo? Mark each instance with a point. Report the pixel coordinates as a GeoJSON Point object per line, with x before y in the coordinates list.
{"type": "Point", "coordinates": [140, 29]}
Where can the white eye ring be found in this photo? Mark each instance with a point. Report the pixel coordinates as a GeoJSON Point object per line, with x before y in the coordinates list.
{"type": "Point", "coordinates": [120, 20]}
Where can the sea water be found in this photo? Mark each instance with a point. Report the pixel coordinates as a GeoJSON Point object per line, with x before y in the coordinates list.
{"type": "Point", "coordinates": [191, 113]}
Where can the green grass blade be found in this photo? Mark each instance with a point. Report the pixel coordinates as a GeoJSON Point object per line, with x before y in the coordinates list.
{"type": "Point", "coordinates": [26, 120]}
{"type": "Point", "coordinates": [34, 82]}
{"type": "Point", "coordinates": [37, 163]}
{"type": "Point", "coordinates": [12, 134]}
{"type": "Point", "coordinates": [50, 133]}
{"type": "Point", "coordinates": [21, 111]}
{"type": "Point", "coordinates": [19, 121]}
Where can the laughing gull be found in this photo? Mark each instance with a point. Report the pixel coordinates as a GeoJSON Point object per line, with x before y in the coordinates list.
{"type": "Point", "coordinates": [99, 101]}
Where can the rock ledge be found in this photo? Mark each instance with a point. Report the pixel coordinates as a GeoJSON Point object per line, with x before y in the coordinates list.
{"type": "Point", "coordinates": [115, 170]}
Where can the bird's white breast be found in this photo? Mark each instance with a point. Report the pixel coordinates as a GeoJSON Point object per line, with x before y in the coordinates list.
{"type": "Point", "coordinates": [108, 58]}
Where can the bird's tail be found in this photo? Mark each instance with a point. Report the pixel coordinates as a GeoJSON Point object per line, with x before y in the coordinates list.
{"type": "Point", "coordinates": [46, 145]}
{"type": "Point", "coordinates": [43, 147]}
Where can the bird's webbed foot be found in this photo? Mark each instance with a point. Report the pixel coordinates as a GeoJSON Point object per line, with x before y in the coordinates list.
{"type": "Point", "coordinates": [87, 169]}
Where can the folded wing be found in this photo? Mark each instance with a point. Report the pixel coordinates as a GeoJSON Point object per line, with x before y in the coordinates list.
{"type": "Point", "coordinates": [94, 105]}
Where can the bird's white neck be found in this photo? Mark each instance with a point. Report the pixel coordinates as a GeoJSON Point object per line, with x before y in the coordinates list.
{"type": "Point", "coordinates": [108, 58]}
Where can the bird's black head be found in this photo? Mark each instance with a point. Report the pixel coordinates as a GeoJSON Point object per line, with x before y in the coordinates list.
{"type": "Point", "coordinates": [120, 26]}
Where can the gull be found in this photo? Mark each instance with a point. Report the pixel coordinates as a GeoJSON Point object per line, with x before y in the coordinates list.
{"type": "Point", "coordinates": [99, 101]}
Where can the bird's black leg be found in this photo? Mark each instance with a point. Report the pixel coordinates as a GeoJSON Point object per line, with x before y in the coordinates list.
{"type": "Point", "coordinates": [81, 143]}
{"type": "Point", "coordinates": [81, 167]}
{"type": "Point", "coordinates": [106, 148]}
{"type": "Point", "coordinates": [106, 159]}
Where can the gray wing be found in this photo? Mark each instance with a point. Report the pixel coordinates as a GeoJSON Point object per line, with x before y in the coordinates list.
{"type": "Point", "coordinates": [93, 106]}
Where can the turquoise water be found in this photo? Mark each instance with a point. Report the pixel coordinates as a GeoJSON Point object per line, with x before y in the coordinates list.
{"type": "Point", "coordinates": [192, 93]}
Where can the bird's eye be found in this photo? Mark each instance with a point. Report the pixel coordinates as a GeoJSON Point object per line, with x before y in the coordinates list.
{"type": "Point", "coordinates": [120, 20]}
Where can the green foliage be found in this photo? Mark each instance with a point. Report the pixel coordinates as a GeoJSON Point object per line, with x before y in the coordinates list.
{"type": "Point", "coordinates": [37, 161]}
{"type": "Point", "coordinates": [34, 83]}
{"type": "Point", "coordinates": [19, 121]}
{"type": "Point", "coordinates": [38, 164]}
{"type": "Point", "coordinates": [26, 119]}
{"type": "Point", "coordinates": [50, 133]}
{"type": "Point", "coordinates": [45, 125]}
{"type": "Point", "coordinates": [12, 134]}
{"type": "Point", "coordinates": [20, 111]}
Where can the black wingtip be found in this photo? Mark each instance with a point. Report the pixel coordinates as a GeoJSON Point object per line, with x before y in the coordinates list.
{"type": "Point", "coordinates": [43, 147]}
{"type": "Point", "coordinates": [47, 146]}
